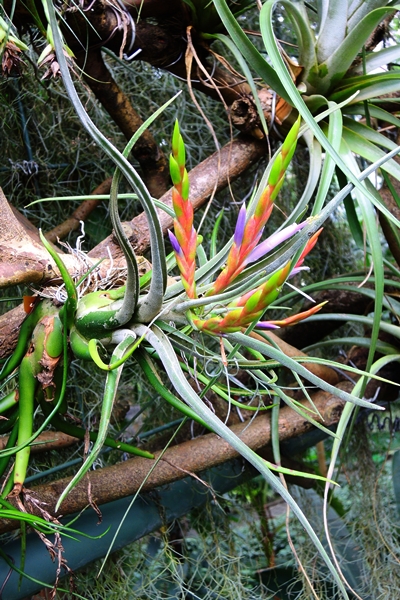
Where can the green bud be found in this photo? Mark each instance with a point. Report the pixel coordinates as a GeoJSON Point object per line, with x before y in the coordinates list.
{"type": "Point", "coordinates": [185, 185]}
{"type": "Point", "coordinates": [181, 154]}
{"type": "Point", "coordinates": [253, 302]}
{"type": "Point", "coordinates": [277, 188]}
{"type": "Point", "coordinates": [290, 142]}
{"type": "Point", "coordinates": [288, 157]}
{"type": "Point", "coordinates": [269, 298]}
{"type": "Point", "coordinates": [174, 171]}
{"type": "Point", "coordinates": [232, 316]}
{"type": "Point", "coordinates": [175, 139]}
{"type": "Point", "coordinates": [276, 171]}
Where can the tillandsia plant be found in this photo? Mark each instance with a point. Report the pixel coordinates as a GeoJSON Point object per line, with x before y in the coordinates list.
{"type": "Point", "coordinates": [10, 49]}
{"type": "Point", "coordinates": [227, 296]}
{"type": "Point", "coordinates": [248, 308]}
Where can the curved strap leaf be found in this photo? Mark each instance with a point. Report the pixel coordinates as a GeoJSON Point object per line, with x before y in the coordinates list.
{"type": "Point", "coordinates": [336, 64]}
{"type": "Point", "coordinates": [271, 352]}
{"type": "Point", "coordinates": [250, 53]}
{"type": "Point", "coordinates": [375, 60]}
{"type": "Point", "coordinates": [159, 341]}
{"type": "Point", "coordinates": [333, 28]}
{"type": "Point", "coordinates": [305, 36]}
{"type": "Point", "coordinates": [72, 301]}
{"type": "Point", "coordinates": [156, 236]}
{"type": "Point", "coordinates": [131, 295]}
{"type": "Point", "coordinates": [270, 43]}
{"type": "Point", "coordinates": [110, 392]}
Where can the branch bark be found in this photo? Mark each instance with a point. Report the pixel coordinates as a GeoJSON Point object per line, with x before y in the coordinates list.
{"type": "Point", "coordinates": [22, 258]}
{"type": "Point", "coordinates": [194, 456]}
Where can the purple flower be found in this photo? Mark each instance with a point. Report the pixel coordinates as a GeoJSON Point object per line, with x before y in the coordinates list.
{"type": "Point", "coordinates": [297, 270]}
{"type": "Point", "coordinates": [267, 325]}
{"type": "Point", "coordinates": [274, 240]}
{"type": "Point", "coordinates": [240, 225]}
{"type": "Point", "coordinates": [174, 243]}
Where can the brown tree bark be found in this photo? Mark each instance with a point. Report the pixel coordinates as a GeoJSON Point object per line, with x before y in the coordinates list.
{"type": "Point", "coordinates": [193, 456]}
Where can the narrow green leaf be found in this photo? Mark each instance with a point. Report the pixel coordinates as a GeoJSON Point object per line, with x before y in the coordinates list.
{"type": "Point", "coordinates": [148, 306]}
{"type": "Point", "coordinates": [374, 111]}
{"type": "Point", "coordinates": [304, 35]}
{"type": "Point", "coordinates": [161, 344]}
{"type": "Point", "coordinates": [248, 50]}
{"type": "Point", "coordinates": [333, 30]}
{"type": "Point", "coordinates": [270, 43]}
{"type": "Point", "coordinates": [361, 146]}
{"type": "Point", "coordinates": [371, 88]}
{"type": "Point", "coordinates": [110, 391]}
{"type": "Point", "coordinates": [334, 136]}
{"type": "Point", "coordinates": [375, 60]}
{"type": "Point", "coordinates": [337, 63]}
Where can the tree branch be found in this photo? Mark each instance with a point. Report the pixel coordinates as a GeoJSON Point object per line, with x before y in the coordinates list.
{"type": "Point", "coordinates": [196, 455]}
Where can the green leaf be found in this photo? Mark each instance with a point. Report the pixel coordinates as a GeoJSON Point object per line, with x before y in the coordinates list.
{"type": "Point", "coordinates": [296, 367]}
{"type": "Point", "coordinates": [375, 60]}
{"type": "Point", "coordinates": [305, 36]}
{"type": "Point", "coordinates": [369, 86]}
{"type": "Point", "coordinates": [333, 29]}
{"type": "Point", "coordinates": [334, 136]}
{"type": "Point", "coordinates": [369, 134]}
{"type": "Point", "coordinates": [358, 9]}
{"type": "Point", "coordinates": [249, 51]}
{"type": "Point", "coordinates": [110, 391]}
{"type": "Point", "coordinates": [161, 344]}
{"type": "Point", "coordinates": [337, 63]}
{"type": "Point", "coordinates": [361, 146]}
{"type": "Point", "coordinates": [374, 111]}
{"type": "Point", "coordinates": [298, 102]}
{"type": "Point", "coordinates": [150, 305]}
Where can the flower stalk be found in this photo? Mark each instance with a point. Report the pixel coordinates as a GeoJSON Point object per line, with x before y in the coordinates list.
{"type": "Point", "coordinates": [184, 238]}
{"type": "Point", "coordinates": [249, 308]}
{"type": "Point", "coordinates": [248, 231]}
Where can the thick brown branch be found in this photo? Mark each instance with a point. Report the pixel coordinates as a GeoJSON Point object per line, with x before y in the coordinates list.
{"type": "Point", "coordinates": [196, 455]}
{"type": "Point", "coordinates": [22, 258]}
{"type": "Point", "coordinates": [48, 440]}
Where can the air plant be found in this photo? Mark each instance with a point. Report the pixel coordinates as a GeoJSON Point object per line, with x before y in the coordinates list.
{"type": "Point", "coordinates": [10, 49]}
{"type": "Point", "coordinates": [135, 320]}
{"type": "Point", "coordinates": [248, 308]}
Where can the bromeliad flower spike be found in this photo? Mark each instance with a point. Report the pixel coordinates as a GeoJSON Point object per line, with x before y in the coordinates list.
{"type": "Point", "coordinates": [184, 241]}
{"type": "Point", "coordinates": [246, 249]}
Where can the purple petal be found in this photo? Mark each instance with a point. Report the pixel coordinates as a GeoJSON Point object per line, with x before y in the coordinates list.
{"type": "Point", "coordinates": [174, 243]}
{"type": "Point", "coordinates": [267, 325]}
{"type": "Point", "coordinates": [274, 240]}
{"type": "Point", "coordinates": [240, 225]}
{"type": "Point", "coordinates": [297, 270]}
